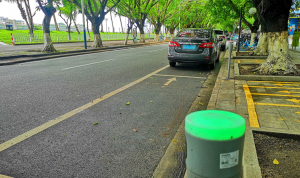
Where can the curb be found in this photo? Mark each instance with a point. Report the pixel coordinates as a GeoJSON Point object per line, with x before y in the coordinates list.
{"type": "Point", "coordinates": [38, 57]}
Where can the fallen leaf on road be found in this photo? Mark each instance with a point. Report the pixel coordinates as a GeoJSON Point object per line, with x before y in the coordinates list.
{"type": "Point", "coordinates": [134, 130]}
{"type": "Point", "coordinates": [151, 77]}
{"type": "Point", "coordinates": [96, 123]}
{"type": "Point", "coordinates": [174, 141]}
{"type": "Point", "coordinates": [200, 103]}
{"type": "Point", "coordinates": [120, 108]}
{"type": "Point", "coordinates": [275, 161]}
{"type": "Point", "coordinates": [42, 116]}
{"type": "Point", "coordinates": [202, 81]}
{"type": "Point", "coordinates": [151, 101]}
{"type": "Point", "coordinates": [151, 139]}
{"type": "Point", "coordinates": [164, 146]}
{"type": "Point", "coordinates": [128, 103]}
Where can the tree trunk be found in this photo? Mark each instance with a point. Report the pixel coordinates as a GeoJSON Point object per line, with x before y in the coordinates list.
{"type": "Point", "coordinates": [156, 37]}
{"type": "Point", "coordinates": [142, 35]}
{"type": "Point", "coordinates": [48, 45]}
{"type": "Point", "coordinates": [172, 30]}
{"type": "Point", "coordinates": [97, 38]}
{"type": "Point", "coordinates": [279, 60]}
{"type": "Point", "coordinates": [262, 47]}
{"type": "Point", "coordinates": [102, 27]}
{"type": "Point", "coordinates": [87, 25]}
{"type": "Point", "coordinates": [112, 23]}
{"type": "Point", "coordinates": [69, 32]}
{"type": "Point", "coordinates": [274, 20]}
{"type": "Point", "coordinates": [126, 39]}
{"type": "Point", "coordinates": [75, 25]}
{"type": "Point", "coordinates": [56, 26]}
{"type": "Point", "coordinates": [157, 30]}
{"type": "Point", "coordinates": [121, 24]}
{"type": "Point", "coordinates": [29, 15]}
{"type": "Point", "coordinates": [253, 35]}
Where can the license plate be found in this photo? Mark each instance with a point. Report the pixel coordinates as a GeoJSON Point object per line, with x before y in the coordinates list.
{"type": "Point", "coordinates": [190, 47]}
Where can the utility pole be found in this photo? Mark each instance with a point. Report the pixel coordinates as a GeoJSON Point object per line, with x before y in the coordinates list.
{"type": "Point", "coordinates": [83, 23]}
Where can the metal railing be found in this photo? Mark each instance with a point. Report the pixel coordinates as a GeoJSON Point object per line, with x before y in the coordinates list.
{"type": "Point", "coordinates": [39, 38]}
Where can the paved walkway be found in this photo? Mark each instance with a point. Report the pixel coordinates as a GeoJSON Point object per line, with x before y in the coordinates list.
{"type": "Point", "coordinates": [265, 105]}
{"type": "Point", "coordinates": [13, 50]}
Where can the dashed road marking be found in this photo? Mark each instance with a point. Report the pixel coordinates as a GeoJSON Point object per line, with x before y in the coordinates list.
{"type": "Point", "coordinates": [87, 64]}
{"type": "Point", "coordinates": [179, 76]}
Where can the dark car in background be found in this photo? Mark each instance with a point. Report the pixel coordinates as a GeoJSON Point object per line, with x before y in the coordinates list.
{"type": "Point", "coordinates": [194, 45]}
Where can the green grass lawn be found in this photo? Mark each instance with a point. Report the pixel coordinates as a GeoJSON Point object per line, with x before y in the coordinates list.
{"type": "Point", "coordinates": [5, 36]}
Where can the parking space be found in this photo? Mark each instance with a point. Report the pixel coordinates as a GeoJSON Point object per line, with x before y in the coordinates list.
{"type": "Point", "coordinates": [273, 104]}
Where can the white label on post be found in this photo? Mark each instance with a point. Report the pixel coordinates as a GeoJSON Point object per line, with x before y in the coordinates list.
{"type": "Point", "coordinates": [228, 160]}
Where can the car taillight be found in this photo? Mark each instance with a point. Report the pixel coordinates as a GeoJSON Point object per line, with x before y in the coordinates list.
{"type": "Point", "coordinates": [173, 44]}
{"type": "Point", "coordinates": [207, 45]}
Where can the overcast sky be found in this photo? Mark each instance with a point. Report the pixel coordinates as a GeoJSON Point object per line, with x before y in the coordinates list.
{"type": "Point", "coordinates": [12, 11]}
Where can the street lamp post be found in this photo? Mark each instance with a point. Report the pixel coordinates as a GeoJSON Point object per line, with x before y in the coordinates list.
{"type": "Point", "coordinates": [84, 36]}
{"type": "Point", "coordinates": [252, 11]}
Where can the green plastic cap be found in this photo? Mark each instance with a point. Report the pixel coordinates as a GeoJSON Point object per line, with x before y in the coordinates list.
{"type": "Point", "coordinates": [215, 125]}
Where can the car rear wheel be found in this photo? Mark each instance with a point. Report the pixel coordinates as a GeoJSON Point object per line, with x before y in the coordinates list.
{"type": "Point", "coordinates": [212, 65]}
{"type": "Point", "coordinates": [172, 64]}
{"type": "Point", "coordinates": [218, 59]}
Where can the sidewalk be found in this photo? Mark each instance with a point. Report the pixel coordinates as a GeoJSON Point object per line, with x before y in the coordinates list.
{"type": "Point", "coordinates": [268, 107]}
{"type": "Point", "coordinates": [15, 50]}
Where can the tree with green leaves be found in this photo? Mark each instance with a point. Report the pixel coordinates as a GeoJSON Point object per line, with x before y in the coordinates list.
{"type": "Point", "coordinates": [161, 12]}
{"type": "Point", "coordinates": [48, 9]}
{"type": "Point", "coordinates": [137, 11]}
{"type": "Point", "coordinates": [26, 13]}
{"type": "Point", "coordinates": [222, 10]}
{"type": "Point", "coordinates": [66, 12]}
{"type": "Point", "coordinates": [95, 11]}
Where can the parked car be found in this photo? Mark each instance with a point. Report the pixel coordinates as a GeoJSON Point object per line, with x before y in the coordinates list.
{"type": "Point", "coordinates": [194, 45]}
{"type": "Point", "coordinates": [221, 34]}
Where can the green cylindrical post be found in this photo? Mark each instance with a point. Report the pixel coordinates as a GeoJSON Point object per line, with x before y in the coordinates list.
{"type": "Point", "coordinates": [214, 144]}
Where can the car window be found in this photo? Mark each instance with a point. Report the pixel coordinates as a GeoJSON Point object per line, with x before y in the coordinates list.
{"type": "Point", "coordinates": [199, 33]}
{"type": "Point", "coordinates": [218, 32]}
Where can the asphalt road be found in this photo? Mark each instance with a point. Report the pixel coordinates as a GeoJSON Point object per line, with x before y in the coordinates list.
{"type": "Point", "coordinates": [57, 101]}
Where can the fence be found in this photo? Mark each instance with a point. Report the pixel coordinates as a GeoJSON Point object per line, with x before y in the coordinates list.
{"type": "Point", "coordinates": [39, 38]}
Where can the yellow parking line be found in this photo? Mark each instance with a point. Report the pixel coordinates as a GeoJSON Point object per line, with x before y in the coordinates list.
{"type": "Point", "coordinates": [3, 176]}
{"type": "Point", "coordinates": [251, 108]}
{"type": "Point", "coordinates": [271, 82]}
{"type": "Point", "coordinates": [50, 123]}
{"type": "Point", "coordinates": [265, 94]}
{"type": "Point", "coordinates": [274, 87]}
{"type": "Point", "coordinates": [283, 105]}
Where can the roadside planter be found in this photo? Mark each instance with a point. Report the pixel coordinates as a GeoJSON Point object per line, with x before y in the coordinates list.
{"type": "Point", "coordinates": [214, 144]}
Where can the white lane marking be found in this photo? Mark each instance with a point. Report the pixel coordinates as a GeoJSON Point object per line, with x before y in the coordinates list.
{"type": "Point", "coordinates": [156, 50]}
{"type": "Point", "coordinates": [87, 64]}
